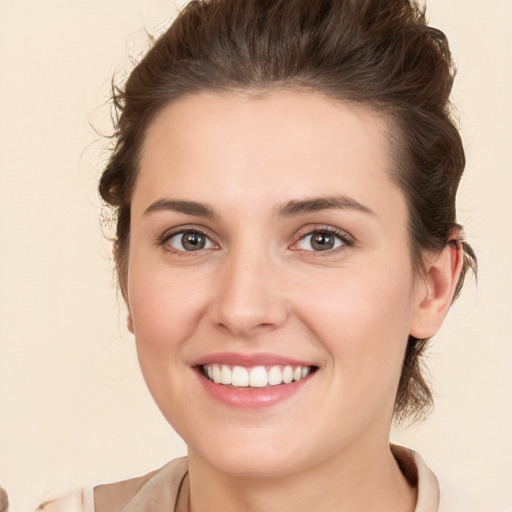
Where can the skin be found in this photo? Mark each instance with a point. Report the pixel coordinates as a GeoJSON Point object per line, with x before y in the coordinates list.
{"type": "Point", "coordinates": [259, 286]}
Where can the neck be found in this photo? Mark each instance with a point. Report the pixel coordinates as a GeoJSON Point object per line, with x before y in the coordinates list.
{"type": "Point", "coordinates": [352, 481]}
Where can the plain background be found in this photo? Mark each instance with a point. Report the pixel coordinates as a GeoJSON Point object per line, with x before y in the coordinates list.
{"type": "Point", "coordinates": [73, 406]}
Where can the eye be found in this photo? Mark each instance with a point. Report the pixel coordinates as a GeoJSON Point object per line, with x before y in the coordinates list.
{"type": "Point", "coordinates": [322, 240]}
{"type": "Point", "coordinates": [190, 241]}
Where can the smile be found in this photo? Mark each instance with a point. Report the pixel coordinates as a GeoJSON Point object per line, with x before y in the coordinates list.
{"type": "Point", "coordinates": [255, 377]}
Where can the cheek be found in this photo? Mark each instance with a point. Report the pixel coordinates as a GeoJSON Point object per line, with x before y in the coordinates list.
{"type": "Point", "coordinates": [362, 318]}
{"type": "Point", "coordinates": [165, 306]}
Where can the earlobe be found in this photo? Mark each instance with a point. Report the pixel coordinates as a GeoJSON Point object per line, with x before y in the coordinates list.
{"type": "Point", "coordinates": [434, 296]}
{"type": "Point", "coordinates": [129, 322]}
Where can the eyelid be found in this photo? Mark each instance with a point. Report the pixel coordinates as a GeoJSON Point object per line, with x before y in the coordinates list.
{"type": "Point", "coordinates": [347, 239]}
{"type": "Point", "coordinates": [164, 238]}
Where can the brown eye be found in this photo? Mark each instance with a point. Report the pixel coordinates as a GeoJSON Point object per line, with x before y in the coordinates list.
{"type": "Point", "coordinates": [190, 241]}
{"type": "Point", "coordinates": [320, 241]}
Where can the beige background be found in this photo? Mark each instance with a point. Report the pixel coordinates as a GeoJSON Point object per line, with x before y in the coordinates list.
{"type": "Point", "coordinates": [73, 406]}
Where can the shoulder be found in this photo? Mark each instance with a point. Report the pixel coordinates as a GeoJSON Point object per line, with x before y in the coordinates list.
{"type": "Point", "coordinates": [419, 475]}
{"type": "Point", "coordinates": [433, 493]}
{"type": "Point", "coordinates": [157, 490]}
{"type": "Point", "coordinates": [79, 501]}
{"type": "Point", "coordinates": [454, 499]}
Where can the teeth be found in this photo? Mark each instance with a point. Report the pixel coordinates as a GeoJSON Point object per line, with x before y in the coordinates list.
{"type": "Point", "coordinates": [225, 375]}
{"type": "Point", "coordinates": [257, 377]}
{"type": "Point", "coordinates": [240, 376]}
{"type": "Point", "coordinates": [287, 374]}
{"type": "Point", "coordinates": [216, 375]}
{"type": "Point", "coordinates": [275, 376]}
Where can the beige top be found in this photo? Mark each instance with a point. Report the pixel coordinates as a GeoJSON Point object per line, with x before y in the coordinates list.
{"type": "Point", "coordinates": [159, 490]}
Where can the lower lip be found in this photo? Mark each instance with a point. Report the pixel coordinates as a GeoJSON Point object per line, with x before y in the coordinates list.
{"type": "Point", "coordinates": [253, 398]}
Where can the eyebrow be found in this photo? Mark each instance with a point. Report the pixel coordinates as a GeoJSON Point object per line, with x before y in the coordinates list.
{"type": "Point", "coordinates": [187, 207]}
{"type": "Point", "coordinates": [292, 208]}
{"type": "Point", "coordinates": [317, 204]}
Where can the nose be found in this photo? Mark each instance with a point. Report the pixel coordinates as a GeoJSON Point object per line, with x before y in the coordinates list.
{"type": "Point", "coordinates": [249, 297]}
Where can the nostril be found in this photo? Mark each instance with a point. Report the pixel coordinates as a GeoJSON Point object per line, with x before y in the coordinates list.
{"type": "Point", "coordinates": [246, 330]}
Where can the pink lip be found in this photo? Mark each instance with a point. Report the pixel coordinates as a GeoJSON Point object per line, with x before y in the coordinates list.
{"type": "Point", "coordinates": [249, 360]}
{"type": "Point", "coordinates": [257, 398]}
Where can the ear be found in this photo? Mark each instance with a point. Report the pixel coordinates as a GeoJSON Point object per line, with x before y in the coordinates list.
{"type": "Point", "coordinates": [129, 320]}
{"type": "Point", "coordinates": [434, 294]}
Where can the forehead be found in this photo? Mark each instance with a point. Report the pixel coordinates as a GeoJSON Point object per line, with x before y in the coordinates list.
{"type": "Point", "coordinates": [272, 146]}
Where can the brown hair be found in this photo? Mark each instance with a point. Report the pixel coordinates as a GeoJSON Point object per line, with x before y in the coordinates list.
{"type": "Point", "coordinates": [379, 54]}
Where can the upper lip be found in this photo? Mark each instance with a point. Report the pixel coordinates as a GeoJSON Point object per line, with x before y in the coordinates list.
{"type": "Point", "coordinates": [249, 360]}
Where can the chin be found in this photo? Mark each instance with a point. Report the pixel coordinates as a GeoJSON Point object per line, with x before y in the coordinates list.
{"type": "Point", "coordinates": [252, 459]}
{"type": "Point", "coordinates": [259, 465]}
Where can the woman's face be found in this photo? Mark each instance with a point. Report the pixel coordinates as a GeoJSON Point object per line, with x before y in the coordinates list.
{"type": "Point", "coordinates": [268, 242]}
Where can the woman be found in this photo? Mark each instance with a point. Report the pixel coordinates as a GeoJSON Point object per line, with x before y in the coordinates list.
{"type": "Point", "coordinates": [284, 180]}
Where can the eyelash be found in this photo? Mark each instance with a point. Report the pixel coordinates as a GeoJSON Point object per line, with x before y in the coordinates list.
{"type": "Point", "coordinates": [164, 239]}
{"type": "Point", "coordinates": [347, 240]}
